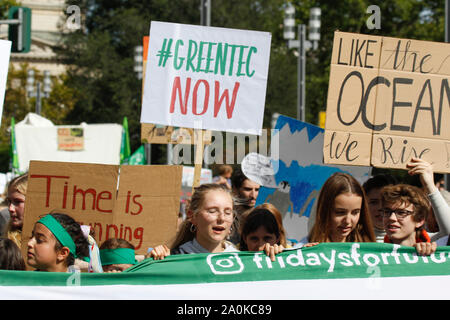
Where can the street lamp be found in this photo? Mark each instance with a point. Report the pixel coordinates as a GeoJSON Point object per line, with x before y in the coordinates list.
{"type": "Point", "coordinates": [45, 93]}
{"type": "Point", "coordinates": [139, 69]}
{"type": "Point", "coordinates": [302, 44]}
{"type": "Point", "coordinates": [138, 59]}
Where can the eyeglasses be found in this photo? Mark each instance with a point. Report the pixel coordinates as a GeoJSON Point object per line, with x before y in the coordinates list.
{"type": "Point", "coordinates": [400, 214]}
{"type": "Point", "coordinates": [214, 213]}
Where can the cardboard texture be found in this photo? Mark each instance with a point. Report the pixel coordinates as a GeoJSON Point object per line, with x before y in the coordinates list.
{"type": "Point", "coordinates": [140, 207]}
{"type": "Point", "coordinates": [206, 78]}
{"type": "Point", "coordinates": [151, 133]}
{"type": "Point", "coordinates": [388, 101]}
{"type": "Point", "coordinates": [70, 139]}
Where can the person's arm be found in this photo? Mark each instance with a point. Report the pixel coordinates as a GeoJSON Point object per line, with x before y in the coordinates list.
{"type": "Point", "coordinates": [158, 252]}
{"type": "Point", "coordinates": [441, 211]}
{"type": "Point", "coordinates": [441, 208]}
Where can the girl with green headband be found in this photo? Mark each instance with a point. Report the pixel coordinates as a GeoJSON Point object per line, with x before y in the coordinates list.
{"type": "Point", "coordinates": [117, 255]}
{"type": "Point", "coordinates": [55, 242]}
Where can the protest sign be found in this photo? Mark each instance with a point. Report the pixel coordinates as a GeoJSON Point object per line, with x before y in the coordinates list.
{"type": "Point", "coordinates": [259, 169]}
{"type": "Point", "coordinates": [299, 174]}
{"type": "Point", "coordinates": [5, 52]}
{"type": "Point", "coordinates": [71, 139]}
{"type": "Point", "coordinates": [206, 77]}
{"type": "Point", "coordinates": [157, 134]}
{"type": "Point", "coordinates": [388, 100]}
{"type": "Point", "coordinates": [142, 207]}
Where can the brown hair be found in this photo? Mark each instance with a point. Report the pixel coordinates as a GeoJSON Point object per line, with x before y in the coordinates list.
{"type": "Point", "coordinates": [255, 218]}
{"type": "Point", "coordinates": [223, 169]}
{"type": "Point", "coordinates": [340, 183]}
{"type": "Point", "coordinates": [407, 194]}
{"type": "Point", "coordinates": [195, 204]}
{"type": "Point", "coordinates": [279, 218]}
{"type": "Point", "coordinates": [19, 184]}
{"type": "Point", "coordinates": [115, 243]}
{"type": "Point", "coordinates": [10, 256]}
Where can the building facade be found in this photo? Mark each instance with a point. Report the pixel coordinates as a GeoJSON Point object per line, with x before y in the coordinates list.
{"type": "Point", "coordinates": [48, 20]}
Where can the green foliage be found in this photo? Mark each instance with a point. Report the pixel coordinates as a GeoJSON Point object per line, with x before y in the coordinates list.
{"type": "Point", "coordinates": [4, 7]}
{"type": "Point", "coordinates": [413, 19]}
{"type": "Point", "coordinates": [55, 107]}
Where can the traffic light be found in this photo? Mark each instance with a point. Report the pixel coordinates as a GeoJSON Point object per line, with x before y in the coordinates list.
{"type": "Point", "coordinates": [20, 33]}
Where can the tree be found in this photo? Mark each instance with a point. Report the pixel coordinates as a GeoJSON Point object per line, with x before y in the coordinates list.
{"type": "Point", "coordinates": [18, 105]}
{"type": "Point", "coordinates": [413, 19]}
{"type": "Point", "coordinates": [100, 57]}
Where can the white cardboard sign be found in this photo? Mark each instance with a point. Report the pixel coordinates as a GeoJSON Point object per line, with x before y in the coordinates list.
{"type": "Point", "coordinates": [206, 77]}
{"type": "Point", "coordinates": [5, 52]}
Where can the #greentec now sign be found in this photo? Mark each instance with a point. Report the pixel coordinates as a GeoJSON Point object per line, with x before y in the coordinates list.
{"type": "Point", "coordinates": [206, 77]}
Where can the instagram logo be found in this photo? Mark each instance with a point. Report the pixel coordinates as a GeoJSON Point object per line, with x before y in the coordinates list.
{"type": "Point", "coordinates": [221, 263]}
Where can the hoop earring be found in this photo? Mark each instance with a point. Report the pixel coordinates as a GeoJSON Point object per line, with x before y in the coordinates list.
{"type": "Point", "coordinates": [193, 228]}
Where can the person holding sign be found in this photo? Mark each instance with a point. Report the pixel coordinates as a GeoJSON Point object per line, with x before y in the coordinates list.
{"type": "Point", "coordinates": [405, 209]}
{"type": "Point", "coordinates": [10, 256]}
{"type": "Point", "coordinates": [209, 221]}
{"type": "Point", "coordinates": [342, 213]}
{"type": "Point", "coordinates": [279, 218]}
{"type": "Point", "coordinates": [260, 231]}
{"type": "Point", "coordinates": [441, 209]}
{"type": "Point", "coordinates": [56, 241]}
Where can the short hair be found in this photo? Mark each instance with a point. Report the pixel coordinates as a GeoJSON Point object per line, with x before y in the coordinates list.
{"type": "Point", "coordinates": [408, 194]}
{"type": "Point", "coordinates": [237, 179]}
{"type": "Point", "coordinates": [379, 181]}
{"type": "Point", "coordinates": [116, 243]}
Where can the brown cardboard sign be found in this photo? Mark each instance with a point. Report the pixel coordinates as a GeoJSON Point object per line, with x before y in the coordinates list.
{"type": "Point", "coordinates": [141, 206]}
{"type": "Point", "coordinates": [395, 91]}
{"type": "Point", "coordinates": [151, 133]}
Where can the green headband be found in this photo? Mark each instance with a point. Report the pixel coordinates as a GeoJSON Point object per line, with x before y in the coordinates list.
{"type": "Point", "coordinates": [117, 256]}
{"type": "Point", "coordinates": [59, 232]}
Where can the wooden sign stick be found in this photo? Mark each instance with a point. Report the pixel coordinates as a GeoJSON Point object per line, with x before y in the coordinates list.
{"type": "Point", "coordinates": [198, 142]}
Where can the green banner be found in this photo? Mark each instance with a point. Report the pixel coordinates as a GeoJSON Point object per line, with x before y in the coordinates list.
{"type": "Point", "coordinates": [324, 261]}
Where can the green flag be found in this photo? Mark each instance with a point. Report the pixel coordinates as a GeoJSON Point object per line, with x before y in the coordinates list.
{"type": "Point", "coordinates": [125, 150]}
{"type": "Point", "coordinates": [138, 157]}
{"type": "Point", "coordinates": [14, 159]}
